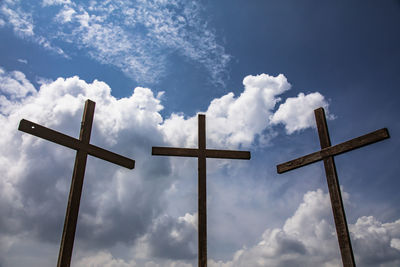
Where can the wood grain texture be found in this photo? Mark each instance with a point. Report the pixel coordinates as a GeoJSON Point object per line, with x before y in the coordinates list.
{"type": "Point", "coordinates": [202, 192]}
{"type": "Point", "coordinates": [335, 150]}
{"type": "Point", "coordinates": [194, 152]}
{"type": "Point", "coordinates": [339, 214]}
{"type": "Point", "coordinates": [75, 192]}
{"type": "Point", "coordinates": [73, 143]}
{"type": "Point", "coordinates": [174, 151]}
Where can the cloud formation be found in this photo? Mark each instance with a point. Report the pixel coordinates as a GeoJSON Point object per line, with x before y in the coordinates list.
{"type": "Point", "coordinates": [36, 173]}
{"type": "Point", "coordinates": [308, 238]}
{"type": "Point", "coordinates": [14, 85]}
{"type": "Point", "coordinates": [297, 112]}
{"type": "Point", "coordinates": [22, 22]}
{"type": "Point", "coordinates": [135, 36]}
{"type": "Point", "coordinates": [124, 210]}
{"type": "Point", "coordinates": [240, 121]}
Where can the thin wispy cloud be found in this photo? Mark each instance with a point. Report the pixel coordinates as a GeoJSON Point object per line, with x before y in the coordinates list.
{"type": "Point", "coordinates": [137, 37]}
{"type": "Point", "coordinates": [23, 61]}
{"type": "Point", "coordinates": [22, 22]}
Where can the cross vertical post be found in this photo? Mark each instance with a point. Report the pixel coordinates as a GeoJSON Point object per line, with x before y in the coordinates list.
{"type": "Point", "coordinates": [74, 199]}
{"type": "Point", "coordinates": [339, 215]}
{"type": "Point", "coordinates": [83, 148]}
{"type": "Point", "coordinates": [326, 154]}
{"type": "Point", "coordinates": [202, 191]}
{"type": "Point", "coordinates": [202, 154]}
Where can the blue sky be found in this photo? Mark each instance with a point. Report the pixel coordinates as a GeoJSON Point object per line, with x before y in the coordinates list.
{"type": "Point", "coordinates": [257, 69]}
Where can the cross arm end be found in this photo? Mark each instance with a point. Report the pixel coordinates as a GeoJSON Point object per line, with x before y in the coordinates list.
{"type": "Point", "coordinates": [131, 165]}
{"type": "Point", "coordinates": [385, 132]}
{"type": "Point", "coordinates": [25, 125]}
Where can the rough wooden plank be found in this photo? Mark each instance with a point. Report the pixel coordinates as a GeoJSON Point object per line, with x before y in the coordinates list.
{"type": "Point", "coordinates": [355, 143]}
{"type": "Point", "coordinates": [341, 148]}
{"type": "Point", "coordinates": [68, 141]}
{"type": "Point", "coordinates": [339, 214]}
{"type": "Point", "coordinates": [299, 162]}
{"type": "Point", "coordinates": [227, 154]}
{"type": "Point", "coordinates": [110, 156]}
{"type": "Point", "coordinates": [174, 151]}
{"type": "Point", "coordinates": [71, 216]}
{"type": "Point", "coordinates": [202, 192]}
{"type": "Point", "coordinates": [48, 134]}
{"type": "Point", "coordinates": [193, 152]}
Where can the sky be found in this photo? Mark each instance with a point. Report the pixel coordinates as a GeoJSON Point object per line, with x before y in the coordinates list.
{"type": "Point", "coordinates": [257, 69]}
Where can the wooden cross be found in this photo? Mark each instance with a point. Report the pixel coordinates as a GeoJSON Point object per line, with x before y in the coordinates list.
{"type": "Point", "coordinates": [201, 153]}
{"type": "Point", "coordinates": [326, 154]}
{"type": "Point", "coordinates": [83, 148]}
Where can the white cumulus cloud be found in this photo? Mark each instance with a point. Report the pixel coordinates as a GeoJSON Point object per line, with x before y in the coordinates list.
{"type": "Point", "coordinates": [239, 121]}
{"type": "Point", "coordinates": [127, 208]}
{"type": "Point", "coordinates": [104, 259]}
{"type": "Point", "coordinates": [297, 112]}
{"type": "Point", "coordinates": [15, 85]}
{"type": "Point", "coordinates": [308, 238]}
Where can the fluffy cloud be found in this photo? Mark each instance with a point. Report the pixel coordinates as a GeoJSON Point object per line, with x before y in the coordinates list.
{"type": "Point", "coordinates": [127, 209]}
{"type": "Point", "coordinates": [242, 120]}
{"type": "Point", "coordinates": [376, 243]}
{"type": "Point", "coordinates": [105, 259]}
{"type": "Point", "coordinates": [308, 238]}
{"type": "Point", "coordinates": [297, 112]}
{"type": "Point", "coordinates": [128, 126]}
{"type": "Point", "coordinates": [233, 121]}
{"type": "Point", "coordinates": [36, 173]}
{"type": "Point", "coordinates": [15, 85]}
{"type": "Point", "coordinates": [169, 238]}
{"type": "Point", "coordinates": [245, 117]}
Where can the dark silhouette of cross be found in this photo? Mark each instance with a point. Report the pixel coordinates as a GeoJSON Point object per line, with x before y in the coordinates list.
{"type": "Point", "coordinates": [83, 148]}
{"type": "Point", "coordinates": [201, 153]}
{"type": "Point", "coordinates": [326, 154]}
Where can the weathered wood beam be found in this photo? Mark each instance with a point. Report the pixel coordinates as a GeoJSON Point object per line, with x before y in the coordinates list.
{"type": "Point", "coordinates": [73, 143]}
{"type": "Point", "coordinates": [335, 150]}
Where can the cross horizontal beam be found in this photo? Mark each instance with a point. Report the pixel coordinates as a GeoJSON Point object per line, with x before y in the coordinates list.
{"type": "Point", "coordinates": [358, 142]}
{"type": "Point", "coordinates": [194, 152]}
{"type": "Point", "coordinates": [73, 143]}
